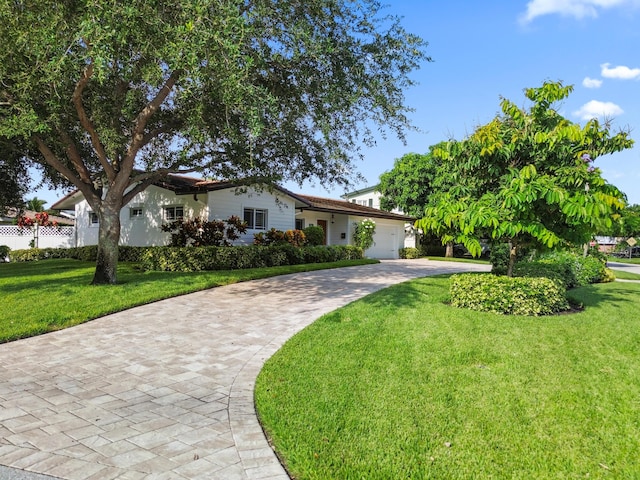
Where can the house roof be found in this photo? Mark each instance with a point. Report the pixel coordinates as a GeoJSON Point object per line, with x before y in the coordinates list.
{"type": "Point", "coordinates": [362, 191]}
{"type": "Point", "coordinates": [11, 214]}
{"type": "Point", "coordinates": [185, 185]}
{"type": "Point", "coordinates": [330, 205]}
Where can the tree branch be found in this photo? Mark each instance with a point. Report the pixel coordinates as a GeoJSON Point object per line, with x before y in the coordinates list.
{"type": "Point", "coordinates": [143, 117]}
{"type": "Point", "coordinates": [87, 124]}
{"type": "Point", "coordinates": [76, 158]}
{"type": "Point", "coordinates": [85, 187]}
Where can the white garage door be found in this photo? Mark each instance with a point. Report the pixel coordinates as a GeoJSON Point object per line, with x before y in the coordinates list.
{"type": "Point", "coordinates": [387, 241]}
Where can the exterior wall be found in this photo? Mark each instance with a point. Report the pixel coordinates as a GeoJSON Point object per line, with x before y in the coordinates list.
{"type": "Point", "coordinates": [336, 226]}
{"type": "Point", "coordinates": [367, 197]}
{"type": "Point", "coordinates": [143, 230]}
{"type": "Point", "coordinates": [371, 197]}
{"type": "Point", "coordinates": [280, 209]}
{"type": "Point", "coordinates": [389, 236]}
{"type": "Point", "coordinates": [388, 239]}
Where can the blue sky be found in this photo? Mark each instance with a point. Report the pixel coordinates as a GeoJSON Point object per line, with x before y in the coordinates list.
{"type": "Point", "coordinates": [485, 50]}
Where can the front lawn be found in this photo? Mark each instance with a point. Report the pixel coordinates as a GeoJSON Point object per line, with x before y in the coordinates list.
{"type": "Point", "coordinates": [400, 385]}
{"type": "Point", "coordinates": [39, 297]}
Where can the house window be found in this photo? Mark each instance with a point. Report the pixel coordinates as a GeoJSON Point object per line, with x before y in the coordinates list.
{"type": "Point", "coordinates": [299, 223]}
{"type": "Point", "coordinates": [371, 202]}
{"type": "Point", "coordinates": [173, 213]}
{"type": "Point", "coordinates": [135, 212]}
{"type": "Point", "coordinates": [93, 218]}
{"type": "Point", "coordinates": [256, 218]}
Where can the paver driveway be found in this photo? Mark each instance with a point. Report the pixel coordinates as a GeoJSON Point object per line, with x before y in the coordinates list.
{"type": "Point", "coordinates": [165, 390]}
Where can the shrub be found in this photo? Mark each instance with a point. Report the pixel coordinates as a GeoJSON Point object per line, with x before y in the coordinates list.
{"type": "Point", "coordinates": [278, 237]}
{"type": "Point", "coordinates": [409, 252]}
{"type": "Point", "coordinates": [363, 233]}
{"type": "Point", "coordinates": [190, 259]}
{"type": "Point", "coordinates": [4, 252]}
{"type": "Point", "coordinates": [314, 235]}
{"type": "Point", "coordinates": [198, 232]}
{"type": "Point", "coordinates": [573, 269]}
{"type": "Point", "coordinates": [508, 295]}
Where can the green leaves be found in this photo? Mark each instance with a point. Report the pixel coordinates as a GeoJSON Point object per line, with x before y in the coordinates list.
{"type": "Point", "coordinates": [524, 176]}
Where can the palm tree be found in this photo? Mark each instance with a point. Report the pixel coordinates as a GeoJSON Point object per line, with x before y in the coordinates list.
{"type": "Point", "coordinates": [36, 204]}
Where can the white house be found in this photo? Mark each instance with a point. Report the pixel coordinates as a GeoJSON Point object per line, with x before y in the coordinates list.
{"type": "Point", "coordinates": [181, 196]}
{"type": "Point", "coordinates": [370, 197]}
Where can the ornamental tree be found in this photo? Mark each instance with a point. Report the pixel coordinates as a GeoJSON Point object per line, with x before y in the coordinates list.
{"type": "Point", "coordinates": [529, 177]}
{"type": "Point", "coordinates": [111, 97]}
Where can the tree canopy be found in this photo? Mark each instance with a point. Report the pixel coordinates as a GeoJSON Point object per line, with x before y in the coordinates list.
{"type": "Point", "coordinates": [527, 177]}
{"type": "Point", "coordinates": [14, 179]}
{"type": "Point", "coordinates": [112, 96]}
{"type": "Point", "coordinates": [409, 184]}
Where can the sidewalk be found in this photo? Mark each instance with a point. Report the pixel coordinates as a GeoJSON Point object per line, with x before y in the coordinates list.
{"type": "Point", "coordinates": [165, 390]}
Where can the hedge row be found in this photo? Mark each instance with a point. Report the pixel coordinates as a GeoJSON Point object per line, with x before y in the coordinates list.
{"type": "Point", "coordinates": [189, 259]}
{"type": "Point", "coordinates": [508, 295]}
{"type": "Point", "coordinates": [87, 254]}
{"type": "Point", "coordinates": [185, 259]}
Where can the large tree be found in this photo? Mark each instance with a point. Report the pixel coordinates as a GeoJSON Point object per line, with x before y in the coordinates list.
{"type": "Point", "coordinates": [417, 182]}
{"type": "Point", "coordinates": [529, 176]}
{"type": "Point", "coordinates": [113, 96]}
{"type": "Point", "coordinates": [14, 177]}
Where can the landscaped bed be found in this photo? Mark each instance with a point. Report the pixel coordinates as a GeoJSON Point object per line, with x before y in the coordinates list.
{"type": "Point", "coordinates": [402, 385]}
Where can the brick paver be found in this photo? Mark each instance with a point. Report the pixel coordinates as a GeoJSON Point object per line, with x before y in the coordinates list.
{"type": "Point", "coordinates": [165, 390]}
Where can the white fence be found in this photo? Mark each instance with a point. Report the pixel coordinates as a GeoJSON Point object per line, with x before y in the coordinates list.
{"type": "Point", "coordinates": [18, 238]}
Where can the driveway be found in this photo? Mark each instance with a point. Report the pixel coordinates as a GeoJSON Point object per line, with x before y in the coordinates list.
{"type": "Point", "coordinates": [165, 390]}
{"type": "Point", "coordinates": [624, 267]}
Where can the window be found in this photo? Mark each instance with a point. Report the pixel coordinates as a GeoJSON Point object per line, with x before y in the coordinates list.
{"type": "Point", "coordinates": [299, 223]}
{"type": "Point", "coordinates": [362, 202]}
{"type": "Point", "coordinates": [173, 213]}
{"type": "Point", "coordinates": [135, 212]}
{"type": "Point", "coordinates": [93, 218]}
{"type": "Point", "coordinates": [256, 218]}
{"type": "Point", "coordinates": [371, 202]}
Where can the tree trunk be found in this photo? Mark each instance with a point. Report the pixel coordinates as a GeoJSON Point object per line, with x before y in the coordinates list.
{"type": "Point", "coordinates": [108, 239]}
{"type": "Point", "coordinates": [449, 250]}
{"type": "Point", "coordinates": [513, 252]}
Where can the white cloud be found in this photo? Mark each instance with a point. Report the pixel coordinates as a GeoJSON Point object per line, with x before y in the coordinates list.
{"type": "Point", "coordinates": [570, 8]}
{"type": "Point", "coordinates": [591, 82]}
{"type": "Point", "coordinates": [621, 72]}
{"type": "Point", "coordinates": [597, 109]}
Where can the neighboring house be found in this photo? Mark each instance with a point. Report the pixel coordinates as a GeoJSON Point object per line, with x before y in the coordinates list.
{"type": "Point", "coordinates": [370, 197]}
{"type": "Point", "coordinates": [186, 197]}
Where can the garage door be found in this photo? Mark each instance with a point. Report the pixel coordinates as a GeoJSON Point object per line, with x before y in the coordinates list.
{"type": "Point", "coordinates": [387, 241]}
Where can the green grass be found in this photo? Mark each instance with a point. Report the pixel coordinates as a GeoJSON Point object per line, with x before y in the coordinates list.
{"type": "Point", "coordinates": [623, 275]}
{"type": "Point", "coordinates": [459, 259]}
{"type": "Point", "coordinates": [400, 385]}
{"type": "Point", "coordinates": [635, 260]}
{"type": "Point", "coordinates": [39, 297]}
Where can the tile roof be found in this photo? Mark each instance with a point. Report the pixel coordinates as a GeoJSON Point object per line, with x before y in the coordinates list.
{"type": "Point", "coordinates": [342, 206]}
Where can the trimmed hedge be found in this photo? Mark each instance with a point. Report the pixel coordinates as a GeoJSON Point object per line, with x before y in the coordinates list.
{"type": "Point", "coordinates": [87, 254]}
{"type": "Point", "coordinates": [508, 295]}
{"type": "Point", "coordinates": [190, 259]}
{"type": "Point", "coordinates": [409, 252]}
{"type": "Point", "coordinates": [573, 270]}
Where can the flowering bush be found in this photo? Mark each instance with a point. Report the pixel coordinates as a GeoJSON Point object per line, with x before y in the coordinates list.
{"type": "Point", "coordinates": [41, 219]}
{"type": "Point", "coordinates": [363, 234]}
